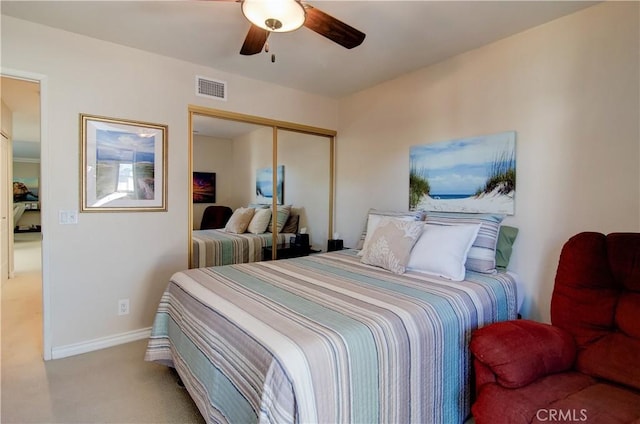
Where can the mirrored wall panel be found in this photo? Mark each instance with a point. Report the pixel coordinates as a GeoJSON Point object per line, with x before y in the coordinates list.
{"type": "Point", "coordinates": [305, 160]}
{"type": "Point", "coordinates": [257, 184]}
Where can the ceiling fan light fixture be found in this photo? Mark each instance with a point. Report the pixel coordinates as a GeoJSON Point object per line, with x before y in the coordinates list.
{"type": "Point", "coordinates": [274, 15]}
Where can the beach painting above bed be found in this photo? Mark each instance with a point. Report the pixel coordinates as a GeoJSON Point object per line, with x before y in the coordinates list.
{"type": "Point", "coordinates": [264, 185]}
{"type": "Point", "coordinates": [474, 175]}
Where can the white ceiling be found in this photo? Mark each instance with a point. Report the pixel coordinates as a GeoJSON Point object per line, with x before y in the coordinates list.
{"type": "Point", "coordinates": [401, 36]}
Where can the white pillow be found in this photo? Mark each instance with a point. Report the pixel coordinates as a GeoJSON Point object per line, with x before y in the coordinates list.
{"type": "Point", "coordinates": [442, 250]}
{"type": "Point", "coordinates": [482, 255]}
{"type": "Point", "coordinates": [260, 221]}
{"type": "Point", "coordinates": [239, 221]}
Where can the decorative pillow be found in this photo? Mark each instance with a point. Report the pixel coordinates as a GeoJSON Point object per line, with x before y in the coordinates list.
{"type": "Point", "coordinates": [282, 215]}
{"type": "Point", "coordinates": [482, 255]}
{"type": "Point", "coordinates": [239, 221]}
{"type": "Point", "coordinates": [374, 216]}
{"type": "Point", "coordinates": [390, 244]}
{"type": "Point", "coordinates": [442, 250]}
{"type": "Point", "coordinates": [504, 248]}
{"type": "Point", "coordinates": [260, 221]}
{"type": "Point", "coordinates": [291, 226]}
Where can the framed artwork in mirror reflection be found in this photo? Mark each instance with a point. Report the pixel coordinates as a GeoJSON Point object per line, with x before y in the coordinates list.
{"type": "Point", "coordinates": [204, 187]}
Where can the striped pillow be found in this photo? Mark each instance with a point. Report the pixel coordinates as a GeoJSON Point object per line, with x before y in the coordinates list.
{"type": "Point", "coordinates": [372, 221]}
{"type": "Point", "coordinates": [482, 255]}
{"type": "Point", "coordinates": [281, 218]}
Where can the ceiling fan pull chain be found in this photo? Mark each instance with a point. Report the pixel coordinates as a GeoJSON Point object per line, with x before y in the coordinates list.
{"type": "Point", "coordinates": [266, 50]}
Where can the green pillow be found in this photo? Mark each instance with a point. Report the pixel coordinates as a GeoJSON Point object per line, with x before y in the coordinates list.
{"type": "Point", "coordinates": [283, 213]}
{"type": "Point", "coordinates": [504, 248]}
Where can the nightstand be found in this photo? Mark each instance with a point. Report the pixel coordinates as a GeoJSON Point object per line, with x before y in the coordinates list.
{"type": "Point", "coordinates": [334, 244]}
{"type": "Point", "coordinates": [287, 252]}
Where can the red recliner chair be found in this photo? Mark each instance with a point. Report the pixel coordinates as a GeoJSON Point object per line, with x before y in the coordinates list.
{"type": "Point", "coordinates": [585, 367]}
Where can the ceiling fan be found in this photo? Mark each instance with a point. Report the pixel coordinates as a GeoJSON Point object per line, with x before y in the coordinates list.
{"type": "Point", "coordinates": [267, 16]}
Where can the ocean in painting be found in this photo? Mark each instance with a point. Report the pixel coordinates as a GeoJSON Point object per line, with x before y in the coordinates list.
{"type": "Point", "coordinates": [475, 175]}
{"type": "Point", "coordinates": [451, 196]}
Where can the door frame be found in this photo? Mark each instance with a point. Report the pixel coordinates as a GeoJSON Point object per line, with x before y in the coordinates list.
{"type": "Point", "coordinates": [46, 223]}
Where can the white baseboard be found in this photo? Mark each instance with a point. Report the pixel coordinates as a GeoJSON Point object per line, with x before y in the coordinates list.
{"type": "Point", "coordinates": [101, 343]}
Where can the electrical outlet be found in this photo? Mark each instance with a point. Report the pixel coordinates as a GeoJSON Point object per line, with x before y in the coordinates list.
{"type": "Point", "coordinates": [123, 307]}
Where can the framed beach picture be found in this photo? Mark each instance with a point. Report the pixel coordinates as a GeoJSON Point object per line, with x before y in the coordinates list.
{"type": "Point", "coordinates": [264, 185]}
{"type": "Point", "coordinates": [475, 175]}
{"type": "Point", "coordinates": [204, 187]}
{"type": "Point", "coordinates": [124, 165]}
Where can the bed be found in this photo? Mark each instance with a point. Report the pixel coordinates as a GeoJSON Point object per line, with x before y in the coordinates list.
{"type": "Point", "coordinates": [218, 247]}
{"type": "Point", "coordinates": [325, 339]}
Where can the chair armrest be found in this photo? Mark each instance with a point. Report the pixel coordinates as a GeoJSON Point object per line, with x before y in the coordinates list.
{"type": "Point", "coordinates": [520, 352]}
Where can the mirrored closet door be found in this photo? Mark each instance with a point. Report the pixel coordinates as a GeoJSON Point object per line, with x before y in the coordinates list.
{"type": "Point", "coordinates": [241, 161]}
{"type": "Point", "coordinates": [305, 160]}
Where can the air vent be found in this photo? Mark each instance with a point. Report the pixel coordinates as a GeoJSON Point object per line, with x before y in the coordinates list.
{"type": "Point", "coordinates": [213, 89]}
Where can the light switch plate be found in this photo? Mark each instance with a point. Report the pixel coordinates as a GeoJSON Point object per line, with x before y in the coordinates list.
{"type": "Point", "coordinates": [68, 217]}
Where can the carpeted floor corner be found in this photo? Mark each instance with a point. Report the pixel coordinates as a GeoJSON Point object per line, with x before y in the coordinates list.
{"type": "Point", "coordinates": [112, 385]}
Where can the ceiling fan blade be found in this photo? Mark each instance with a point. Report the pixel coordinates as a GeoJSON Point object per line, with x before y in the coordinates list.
{"type": "Point", "coordinates": [330, 27]}
{"type": "Point", "coordinates": [254, 42]}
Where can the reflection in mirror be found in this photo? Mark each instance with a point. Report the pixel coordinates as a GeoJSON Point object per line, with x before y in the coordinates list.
{"type": "Point", "coordinates": [307, 182]}
{"type": "Point", "coordinates": [230, 150]}
{"type": "Point", "coordinates": [233, 161]}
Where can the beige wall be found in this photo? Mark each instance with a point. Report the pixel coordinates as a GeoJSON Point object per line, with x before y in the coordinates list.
{"type": "Point", "coordinates": [251, 151]}
{"type": "Point", "coordinates": [568, 88]}
{"type": "Point", "coordinates": [110, 256]}
{"type": "Point", "coordinates": [26, 170]}
{"type": "Point", "coordinates": [213, 155]}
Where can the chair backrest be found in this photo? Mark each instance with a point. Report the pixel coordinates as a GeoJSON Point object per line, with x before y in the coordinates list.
{"type": "Point", "coordinates": [215, 217]}
{"type": "Point", "coordinates": [596, 298]}
{"type": "Point", "coordinates": [585, 292]}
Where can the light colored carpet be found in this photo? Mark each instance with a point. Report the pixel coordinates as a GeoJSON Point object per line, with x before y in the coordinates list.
{"type": "Point", "coordinates": [109, 386]}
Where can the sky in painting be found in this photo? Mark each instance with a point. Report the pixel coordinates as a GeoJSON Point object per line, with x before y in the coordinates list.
{"type": "Point", "coordinates": [121, 146]}
{"type": "Point", "coordinates": [460, 166]}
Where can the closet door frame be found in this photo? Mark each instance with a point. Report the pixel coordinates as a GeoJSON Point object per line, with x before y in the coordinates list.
{"type": "Point", "coordinates": [275, 125]}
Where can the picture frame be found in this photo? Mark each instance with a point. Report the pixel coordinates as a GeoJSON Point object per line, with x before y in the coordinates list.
{"type": "Point", "coordinates": [123, 165]}
{"type": "Point", "coordinates": [264, 185]}
{"type": "Point", "coordinates": [470, 175]}
{"type": "Point", "coordinates": [204, 187]}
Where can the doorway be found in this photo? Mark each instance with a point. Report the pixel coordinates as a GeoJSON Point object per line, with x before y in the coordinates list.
{"type": "Point", "coordinates": [23, 300]}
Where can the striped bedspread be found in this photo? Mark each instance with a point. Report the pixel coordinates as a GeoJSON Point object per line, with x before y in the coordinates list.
{"type": "Point", "coordinates": [325, 339]}
{"type": "Point", "coordinates": [217, 247]}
